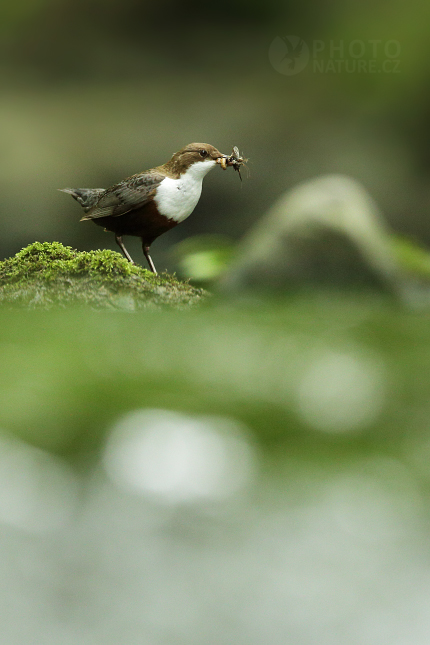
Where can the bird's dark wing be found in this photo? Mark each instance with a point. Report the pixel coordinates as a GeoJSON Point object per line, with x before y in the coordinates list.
{"type": "Point", "coordinates": [128, 195]}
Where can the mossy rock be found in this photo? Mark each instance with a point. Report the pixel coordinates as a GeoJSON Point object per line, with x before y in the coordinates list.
{"type": "Point", "coordinates": [48, 274]}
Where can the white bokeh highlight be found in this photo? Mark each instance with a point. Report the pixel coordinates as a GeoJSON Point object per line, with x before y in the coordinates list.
{"type": "Point", "coordinates": [179, 458]}
{"type": "Point", "coordinates": [341, 391]}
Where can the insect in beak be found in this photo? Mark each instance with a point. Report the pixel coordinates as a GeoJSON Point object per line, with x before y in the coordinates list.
{"type": "Point", "coordinates": [234, 160]}
{"type": "Point", "coordinates": [222, 161]}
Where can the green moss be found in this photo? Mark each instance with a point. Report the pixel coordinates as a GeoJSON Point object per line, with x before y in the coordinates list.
{"type": "Point", "coordinates": [45, 274]}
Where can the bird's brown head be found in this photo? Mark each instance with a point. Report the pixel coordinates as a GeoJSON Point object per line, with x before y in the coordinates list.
{"type": "Point", "coordinates": [203, 154]}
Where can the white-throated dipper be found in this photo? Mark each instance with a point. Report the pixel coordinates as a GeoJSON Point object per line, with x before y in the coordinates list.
{"type": "Point", "coordinates": [150, 203]}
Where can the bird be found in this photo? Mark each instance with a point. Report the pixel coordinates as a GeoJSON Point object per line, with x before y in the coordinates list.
{"type": "Point", "coordinates": [150, 203]}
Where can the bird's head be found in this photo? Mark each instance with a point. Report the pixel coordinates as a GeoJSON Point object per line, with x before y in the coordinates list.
{"type": "Point", "coordinates": [201, 156]}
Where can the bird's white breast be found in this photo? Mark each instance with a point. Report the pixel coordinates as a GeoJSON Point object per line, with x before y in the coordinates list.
{"type": "Point", "coordinates": [177, 198]}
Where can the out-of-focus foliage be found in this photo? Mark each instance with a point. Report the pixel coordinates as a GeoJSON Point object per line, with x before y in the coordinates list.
{"type": "Point", "coordinates": [268, 463]}
{"type": "Point", "coordinates": [84, 369]}
{"type": "Point", "coordinates": [413, 258]}
{"type": "Point", "coordinates": [203, 258]}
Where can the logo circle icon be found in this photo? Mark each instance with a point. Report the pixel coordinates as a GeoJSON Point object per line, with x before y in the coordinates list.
{"type": "Point", "coordinates": [288, 55]}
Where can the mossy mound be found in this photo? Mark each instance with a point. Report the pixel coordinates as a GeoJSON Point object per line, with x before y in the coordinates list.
{"type": "Point", "coordinates": [48, 274]}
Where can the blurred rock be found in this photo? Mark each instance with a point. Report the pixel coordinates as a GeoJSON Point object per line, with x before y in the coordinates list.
{"type": "Point", "coordinates": [324, 231]}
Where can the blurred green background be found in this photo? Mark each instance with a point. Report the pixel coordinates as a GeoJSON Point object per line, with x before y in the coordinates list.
{"type": "Point", "coordinates": [95, 91]}
{"type": "Point", "coordinates": [249, 471]}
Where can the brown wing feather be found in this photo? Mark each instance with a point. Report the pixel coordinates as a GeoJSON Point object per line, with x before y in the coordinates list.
{"type": "Point", "coordinates": [128, 195]}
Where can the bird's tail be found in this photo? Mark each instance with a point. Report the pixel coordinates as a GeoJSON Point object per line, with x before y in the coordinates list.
{"type": "Point", "coordinates": [87, 197]}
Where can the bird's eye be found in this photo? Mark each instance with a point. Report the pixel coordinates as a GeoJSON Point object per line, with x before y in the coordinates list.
{"type": "Point", "coordinates": [203, 153]}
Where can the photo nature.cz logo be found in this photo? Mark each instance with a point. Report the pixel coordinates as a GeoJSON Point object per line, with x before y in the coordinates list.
{"type": "Point", "coordinates": [290, 55]}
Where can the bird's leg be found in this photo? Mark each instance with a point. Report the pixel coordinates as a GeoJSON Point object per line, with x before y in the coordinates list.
{"type": "Point", "coordinates": [145, 248]}
{"type": "Point", "coordinates": [127, 255]}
